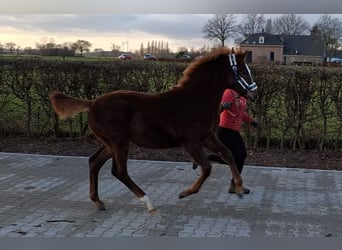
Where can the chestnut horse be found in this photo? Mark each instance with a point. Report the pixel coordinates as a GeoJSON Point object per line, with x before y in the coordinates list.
{"type": "Point", "coordinates": [186, 116]}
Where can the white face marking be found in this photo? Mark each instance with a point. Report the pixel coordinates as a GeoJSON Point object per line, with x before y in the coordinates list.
{"type": "Point", "coordinates": [147, 202]}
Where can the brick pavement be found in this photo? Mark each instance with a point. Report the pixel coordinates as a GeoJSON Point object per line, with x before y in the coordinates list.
{"type": "Point", "coordinates": [47, 196]}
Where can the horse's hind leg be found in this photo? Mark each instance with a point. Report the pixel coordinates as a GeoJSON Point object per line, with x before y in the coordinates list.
{"type": "Point", "coordinates": [96, 161]}
{"type": "Point", "coordinates": [198, 155]}
{"type": "Point", "coordinates": [119, 170]}
{"type": "Point", "coordinates": [217, 147]}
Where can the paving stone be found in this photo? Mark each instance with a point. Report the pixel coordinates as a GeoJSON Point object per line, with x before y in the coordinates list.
{"type": "Point", "coordinates": [47, 196]}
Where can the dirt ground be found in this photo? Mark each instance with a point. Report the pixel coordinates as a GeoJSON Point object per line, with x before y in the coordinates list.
{"type": "Point", "coordinates": [85, 146]}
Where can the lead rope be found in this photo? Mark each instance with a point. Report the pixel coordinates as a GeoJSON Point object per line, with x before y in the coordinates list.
{"type": "Point", "coordinates": [237, 104]}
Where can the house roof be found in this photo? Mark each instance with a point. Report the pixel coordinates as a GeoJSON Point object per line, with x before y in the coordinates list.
{"type": "Point", "coordinates": [303, 45]}
{"type": "Point", "coordinates": [293, 44]}
{"type": "Point", "coordinates": [269, 39]}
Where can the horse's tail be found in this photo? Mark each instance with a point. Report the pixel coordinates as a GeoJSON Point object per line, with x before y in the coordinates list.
{"type": "Point", "coordinates": [66, 106]}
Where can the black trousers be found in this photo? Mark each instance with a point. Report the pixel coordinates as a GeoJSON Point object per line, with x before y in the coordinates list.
{"type": "Point", "coordinates": [232, 140]}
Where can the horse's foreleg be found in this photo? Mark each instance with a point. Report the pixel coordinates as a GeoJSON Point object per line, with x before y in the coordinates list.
{"type": "Point", "coordinates": [96, 161]}
{"type": "Point", "coordinates": [198, 155]}
{"type": "Point", "coordinates": [119, 170]}
{"type": "Point", "coordinates": [217, 147]}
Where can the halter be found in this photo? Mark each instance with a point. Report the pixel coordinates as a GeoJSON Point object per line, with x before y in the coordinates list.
{"type": "Point", "coordinates": [243, 83]}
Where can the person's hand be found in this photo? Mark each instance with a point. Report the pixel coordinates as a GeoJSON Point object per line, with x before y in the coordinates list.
{"type": "Point", "coordinates": [254, 124]}
{"type": "Point", "coordinates": [226, 105]}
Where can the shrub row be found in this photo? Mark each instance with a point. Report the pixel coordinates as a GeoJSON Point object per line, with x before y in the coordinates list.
{"type": "Point", "coordinates": [297, 107]}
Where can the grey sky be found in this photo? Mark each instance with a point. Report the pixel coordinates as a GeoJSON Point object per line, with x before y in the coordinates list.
{"type": "Point", "coordinates": [113, 28]}
{"type": "Point", "coordinates": [173, 25]}
{"type": "Point", "coordinates": [174, 6]}
{"type": "Point", "coordinates": [105, 29]}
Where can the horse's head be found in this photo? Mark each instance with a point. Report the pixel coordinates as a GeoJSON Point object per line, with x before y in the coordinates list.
{"type": "Point", "coordinates": [223, 66]}
{"type": "Point", "coordinates": [241, 75]}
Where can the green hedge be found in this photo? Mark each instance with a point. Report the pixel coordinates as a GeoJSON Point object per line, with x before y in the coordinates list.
{"type": "Point", "coordinates": [297, 107]}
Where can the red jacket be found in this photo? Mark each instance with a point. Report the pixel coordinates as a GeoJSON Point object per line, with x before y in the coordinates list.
{"type": "Point", "coordinates": [233, 117]}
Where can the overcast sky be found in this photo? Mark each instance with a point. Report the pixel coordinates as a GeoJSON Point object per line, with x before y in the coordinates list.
{"type": "Point", "coordinates": [104, 30]}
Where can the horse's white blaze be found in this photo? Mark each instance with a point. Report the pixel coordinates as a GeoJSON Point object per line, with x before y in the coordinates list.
{"type": "Point", "coordinates": [147, 202]}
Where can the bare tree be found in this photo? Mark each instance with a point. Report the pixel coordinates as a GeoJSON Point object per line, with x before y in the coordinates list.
{"type": "Point", "coordinates": [220, 27]}
{"type": "Point", "coordinates": [252, 23]}
{"type": "Point", "coordinates": [10, 47]}
{"type": "Point", "coordinates": [291, 24]}
{"type": "Point", "coordinates": [269, 26]}
{"type": "Point", "coordinates": [331, 31]}
{"type": "Point", "coordinates": [81, 46]}
{"type": "Point", "coordinates": [52, 49]}
{"type": "Point", "coordinates": [115, 47]}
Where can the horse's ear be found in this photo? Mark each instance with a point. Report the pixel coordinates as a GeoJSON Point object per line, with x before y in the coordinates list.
{"type": "Point", "coordinates": [242, 55]}
{"type": "Point", "coordinates": [233, 50]}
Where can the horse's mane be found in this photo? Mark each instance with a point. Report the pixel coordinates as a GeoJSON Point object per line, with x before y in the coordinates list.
{"type": "Point", "coordinates": [199, 63]}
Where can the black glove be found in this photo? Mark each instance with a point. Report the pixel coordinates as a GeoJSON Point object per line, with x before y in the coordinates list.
{"type": "Point", "coordinates": [254, 124]}
{"type": "Point", "coordinates": [226, 105]}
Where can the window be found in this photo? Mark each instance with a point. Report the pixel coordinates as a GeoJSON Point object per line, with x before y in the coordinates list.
{"type": "Point", "coordinates": [272, 56]}
{"type": "Point", "coordinates": [249, 57]}
{"type": "Point", "coordinates": [261, 39]}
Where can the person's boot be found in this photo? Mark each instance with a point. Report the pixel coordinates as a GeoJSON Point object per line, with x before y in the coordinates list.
{"type": "Point", "coordinates": [232, 190]}
{"type": "Point", "coordinates": [194, 165]}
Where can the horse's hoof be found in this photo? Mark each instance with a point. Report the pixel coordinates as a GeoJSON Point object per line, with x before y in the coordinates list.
{"type": "Point", "coordinates": [101, 207]}
{"type": "Point", "coordinates": [153, 211]}
{"type": "Point", "coordinates": [183, 195]}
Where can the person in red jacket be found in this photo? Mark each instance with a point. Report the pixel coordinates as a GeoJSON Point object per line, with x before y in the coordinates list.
{"type": "Point", "coordinates": [233, 115]}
